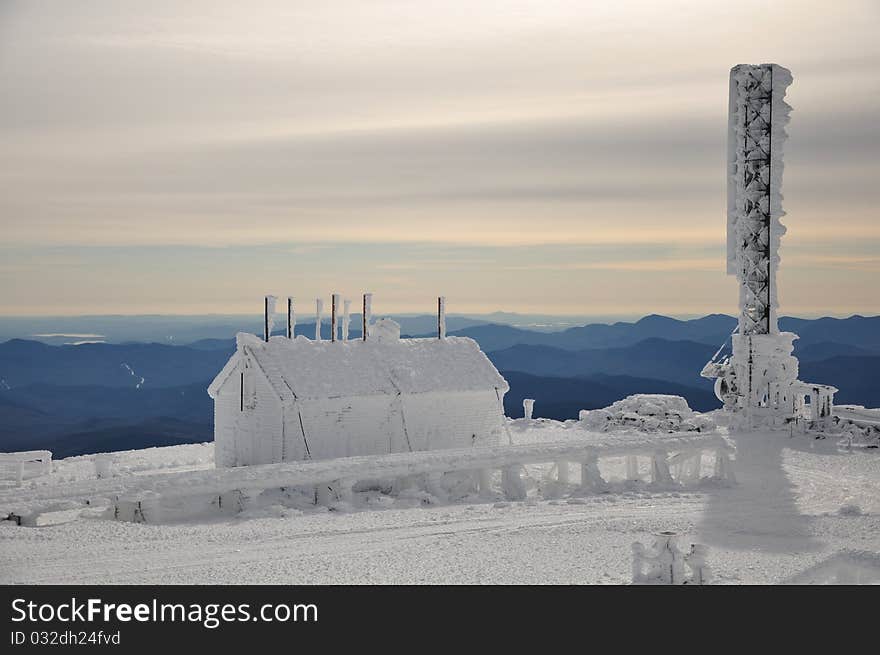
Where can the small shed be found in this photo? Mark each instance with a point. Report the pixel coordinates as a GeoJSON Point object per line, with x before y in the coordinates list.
{"type": "Point", "coordinates": [294, 399]}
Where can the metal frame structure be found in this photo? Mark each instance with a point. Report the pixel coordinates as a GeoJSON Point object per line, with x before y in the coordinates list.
{"type": "Point", "coordinates": [752, 225]}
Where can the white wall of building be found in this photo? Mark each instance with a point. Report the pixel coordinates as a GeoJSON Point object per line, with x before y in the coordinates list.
{"type": "Point", "coordinates": [345, 427]}
{"type": "Point", "coordinates": [453, 419]}
{"type": "Point", "coordinates": [247, 428]}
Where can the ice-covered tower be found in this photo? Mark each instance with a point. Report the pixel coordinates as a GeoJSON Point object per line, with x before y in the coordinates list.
{"type": "Point", "coordinates": [756, 380]}
{"type": "Point", "coordinates": [756, 133]}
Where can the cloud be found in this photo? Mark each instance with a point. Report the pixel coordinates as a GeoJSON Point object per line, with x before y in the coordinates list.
{"type": "Point", "coordinates": [515, 125]}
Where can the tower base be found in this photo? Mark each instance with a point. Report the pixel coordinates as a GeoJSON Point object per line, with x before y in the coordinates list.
{"type": "Point", "coordinates": [758, 384]}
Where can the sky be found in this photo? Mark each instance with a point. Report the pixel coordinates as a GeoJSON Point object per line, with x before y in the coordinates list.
{"type": "Point", "coordinates": [539, 157]}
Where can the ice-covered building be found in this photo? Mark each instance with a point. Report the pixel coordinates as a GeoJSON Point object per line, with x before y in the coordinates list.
{"type": "Point", "coordinates": [282, 399]}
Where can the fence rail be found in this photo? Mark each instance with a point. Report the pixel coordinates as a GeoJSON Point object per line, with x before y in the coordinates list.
{"type": "Point", "coordinates": [131, 496]}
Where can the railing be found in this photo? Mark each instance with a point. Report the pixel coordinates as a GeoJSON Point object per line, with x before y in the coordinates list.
{"type": "Point", "coordinates": [25, 464]}
{"type": "Point", "coordinates": [331, 481]}
{"type": "Point", "coordinates": [674, 460]}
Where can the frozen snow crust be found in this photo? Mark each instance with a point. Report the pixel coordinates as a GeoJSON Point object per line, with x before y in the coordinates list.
{"type": "Point", "coordinates": [799, 511]}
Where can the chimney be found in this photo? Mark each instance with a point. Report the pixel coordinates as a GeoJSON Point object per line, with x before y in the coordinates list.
{"type": "Point", "coordinates": [334, 307]}
{"type": "Point", "coordinates": [367, 313]}
{"type": "Point", "coordinates": [291, 318]}
{"type": "Point", "coordinates": [319, 309]}
{"type": "Point", "coordinates": [441, 317]}
{"type": "Point", "coordinates": [268, 316]}
{"type": "Point", "coordinates": [346, 318]}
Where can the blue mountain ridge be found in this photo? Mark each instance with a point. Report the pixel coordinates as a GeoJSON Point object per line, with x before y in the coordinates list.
{"type": "Point", "coordinates": [90, 396]}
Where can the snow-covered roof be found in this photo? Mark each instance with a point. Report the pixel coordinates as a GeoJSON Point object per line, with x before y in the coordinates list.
{"type": "Point", "coordinates": [807, 387]}
{"type": "Point", "coordinates": [303, 368]}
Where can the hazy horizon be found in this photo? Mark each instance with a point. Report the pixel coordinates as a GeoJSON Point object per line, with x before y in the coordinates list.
{"type": "Point", "coordinates": [307, 314]}
{"type": "Point", "coordinates": [554, 157]}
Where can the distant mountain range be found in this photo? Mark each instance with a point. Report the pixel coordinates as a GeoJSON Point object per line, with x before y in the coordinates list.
{"type": "Point", "coordinates": [182, 330]}
{"type": "Point", "coordinates": [660, 359]}
{"type": "Point", "coordinates": [562, 398]}
{"type": "Point", "coordinates": [857, 331]}
{"type": "Point", "coordinates": [111, 396]}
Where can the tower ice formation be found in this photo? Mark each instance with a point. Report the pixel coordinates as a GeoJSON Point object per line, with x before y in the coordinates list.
{"type": "Point", "coordinates": [759, 380]}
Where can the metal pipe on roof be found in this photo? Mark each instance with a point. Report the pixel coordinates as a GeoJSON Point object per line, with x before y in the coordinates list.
{"type": "Point", "coordinates": [334, 303]}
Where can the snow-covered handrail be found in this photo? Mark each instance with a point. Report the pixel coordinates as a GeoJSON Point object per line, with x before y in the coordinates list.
{"type": "Point", "coordinates": [35, 462]}
{"type": "Point", "coordinates": [509, 458]}
{"type": "Point", "coordinates": [294, 474]}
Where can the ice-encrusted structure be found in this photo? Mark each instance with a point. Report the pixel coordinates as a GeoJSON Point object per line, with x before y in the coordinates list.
{"type": "Point", "coordinates": [22, 465]}
{"type": "Point", "coordinates": [292, 399]}
{"type": "Point", "coordinates": [664, 563]}
{"type": "Point", "coordinates": [647, 412]}
{"type": "Point", "coordinates": [756, 133]}
{"type": "Point", "coordinates": [758, 381]}
{"type": "Point", "coordinates": [858, 425]}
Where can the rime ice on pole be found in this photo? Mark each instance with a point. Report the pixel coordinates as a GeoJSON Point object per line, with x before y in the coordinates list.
{"type": "Point", "coordinates": [336, 301]}
{"type": "Point", "coordinates": [270, 303]}
{"type": "Point", "coordinates": [291, 317]}
{"type": "Point", "coordinates": [319, 310]}
{"type": "Point", "coordinates": [346, 318]}
{"type": "Point", "coordinates": [367, 314]}
{"type": "Point", "coordinates": [441, 317]}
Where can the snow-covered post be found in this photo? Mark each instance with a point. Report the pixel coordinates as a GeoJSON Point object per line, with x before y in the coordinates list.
{"type": "Point", "coordinates": [334, 307]}
{"type": "Point", "coordinates": [660, 468]}
{"type": "Point", "coordinates": [441, 317]}
{"type": "Point", "coordinates": [528, 408]}
{"type": "Point", "coordinates": [562, 472]}
{"type": "Point", "coordinates": [291, 318]}
{"type": "Point", "coordinates": [346, 318]}
{"type": "Point", "coordinates": [512, 482]}
{"type": "Point", "coordinates": [591, 477]}
{"type": "Point", "coordinates": [638, 561]}
{"type": "Point", "coordinates": [319, 309]}
{"type": "Point", "coordinates": [668, 557]}
{"type": "Point", "coordinates": [696, 465]}
{"type": "Point", "coordinates": [632, 468]}
{"type": "Point", "coordinates": [662, 566]}
{"type": "Point", "coordinates": [723, 467]}
{"type": "Point", "coordinates": [689, 468]}
{"type": "Point", "coordinates": [103, 466]}
{"type": "Point", "coordinates": [696, 561]}
{"type": "Point", "coordinates": [367, 314]}
{"type": "Point", "coordinates": [268, 316]}
{"type": "Point", "coordinates": [484, 482]}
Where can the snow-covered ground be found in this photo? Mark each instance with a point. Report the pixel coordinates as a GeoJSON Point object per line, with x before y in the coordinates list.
{"type": "Point", "coordinates": [803, 511]}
